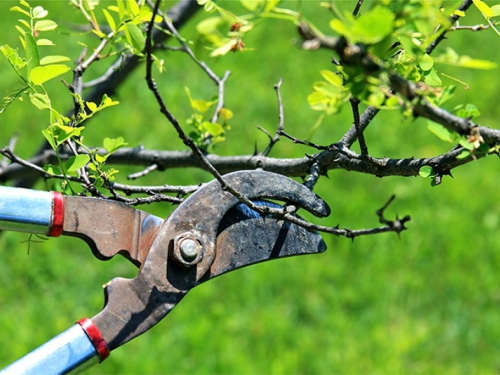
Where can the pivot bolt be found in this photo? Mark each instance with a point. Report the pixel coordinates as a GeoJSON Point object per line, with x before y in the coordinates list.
{"type": "Point", "coordinates": [189, 249]}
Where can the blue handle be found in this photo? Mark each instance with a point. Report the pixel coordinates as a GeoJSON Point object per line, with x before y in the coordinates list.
{"type": "Point", "coordinates": [32, 211]}
{"type": "Point", "coordinates": [70, 352]}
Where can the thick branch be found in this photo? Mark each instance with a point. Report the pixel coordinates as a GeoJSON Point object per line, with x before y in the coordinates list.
{"type": "Point", "coordinates": [334, 157]}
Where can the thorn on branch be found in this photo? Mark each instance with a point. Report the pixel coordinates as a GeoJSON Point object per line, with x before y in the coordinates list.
{"type": "Point", "coordinates": [397, 225]}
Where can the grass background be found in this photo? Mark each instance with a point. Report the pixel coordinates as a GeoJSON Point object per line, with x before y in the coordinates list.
{"type": "Point", "coordinates": [425, 303]}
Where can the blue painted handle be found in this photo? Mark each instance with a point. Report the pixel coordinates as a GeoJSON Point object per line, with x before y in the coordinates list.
{"type": "Point", "coordinates": [70, 352]}
{"type": "Point", "coordinates": [25, 210]}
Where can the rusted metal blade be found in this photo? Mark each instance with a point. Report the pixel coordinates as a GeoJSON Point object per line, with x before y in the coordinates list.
{"type": "Point", "coordinates": [110, 228]}
{"type": "Point", "coordinates": [245, 238]}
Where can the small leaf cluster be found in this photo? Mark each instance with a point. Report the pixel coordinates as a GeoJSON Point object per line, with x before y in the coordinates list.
{"type": "Point", "coordinates": [33, 69]}
{"type": "Point", "coordinates": [207, 133]}
{"type": "Point", "coordinates": [393, 38]}
{"type": "Point", "coordinates": [224, 32]}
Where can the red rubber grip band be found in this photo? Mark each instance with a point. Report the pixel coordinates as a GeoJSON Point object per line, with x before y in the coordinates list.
{"type": "Point", "coordinates": [57, 214]}
{"type": "Point", "coordinates": [95, 337]}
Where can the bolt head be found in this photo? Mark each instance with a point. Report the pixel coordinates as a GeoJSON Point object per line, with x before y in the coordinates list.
{"type": "Point", "coordinates": [189, 249]}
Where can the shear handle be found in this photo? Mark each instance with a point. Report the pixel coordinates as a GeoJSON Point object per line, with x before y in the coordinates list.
{"type": "Point", "coordinates": [31, 211]}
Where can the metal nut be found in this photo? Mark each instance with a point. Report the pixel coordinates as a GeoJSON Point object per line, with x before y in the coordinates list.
{"type": "Point", "coordinates": [189, 249]}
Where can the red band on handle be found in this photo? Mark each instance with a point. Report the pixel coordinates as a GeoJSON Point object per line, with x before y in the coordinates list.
{"type": "Point", "coordinates": [57, 214]}
{"type": "Point", "coordinates": [95, 336]}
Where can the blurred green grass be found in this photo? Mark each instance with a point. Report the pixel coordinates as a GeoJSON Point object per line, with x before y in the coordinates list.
{"type": "Point", "coordinates": [425, 303]}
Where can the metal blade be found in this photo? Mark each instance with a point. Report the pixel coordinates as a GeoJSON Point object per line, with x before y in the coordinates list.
{"type": "Point", "coordinates": [245, 238]}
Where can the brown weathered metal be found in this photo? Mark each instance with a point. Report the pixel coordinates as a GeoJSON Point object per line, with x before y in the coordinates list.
{"type": "Point", "coordinates": [110, 228]}
{"type": "Point", "coordinates": [227, 239]}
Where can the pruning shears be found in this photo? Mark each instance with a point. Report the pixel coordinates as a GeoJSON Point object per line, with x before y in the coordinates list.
{"type": "Point", "coordinates": [209, 234]}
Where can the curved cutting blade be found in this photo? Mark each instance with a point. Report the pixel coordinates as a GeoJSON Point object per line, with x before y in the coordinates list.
{"type": "Point", "coordinates": [245, 237]}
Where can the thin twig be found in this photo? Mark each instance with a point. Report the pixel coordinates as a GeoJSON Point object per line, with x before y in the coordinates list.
{"type": "Point", "coordinates": [281, 123]}
{"type": "Point", "coordinates": [453, 18]}
{"type": "Point", "coordinates": [303, 141]}
{"type": "Point", "coordinates": [357, 124]}
{"type": "Point", "coordinates": [179, 190]}
{"type": "Point", "coordinates": [357, 8]}
{"type": "Point", "coordinates": [188, 141]}
{"type": "Point", "coordinates": [471, 28]}
{"type": "Point", "coordinates": [365, 119]}
{"type": "Point", "coordinates": [12, 145]}
{"type": "Point", "coordinates": [220, 100]}
{"type": "Point", "coordinates": [144, 172]}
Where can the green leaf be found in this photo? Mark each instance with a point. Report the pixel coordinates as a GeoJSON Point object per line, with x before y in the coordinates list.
{"type": "Point", "coordinates": [445, 95]}
{"type": "Point", "coordinates": [251, 5]}
{"type": "Point", "coordinates": [57, 134]}
{"type": "Point", "coordinates": [26, 24]}
{"type": "Point", "coordinates": [92, 106]}
{"type": "Point", "coordinates": [197, 104]}
{"type": "Point", "coordinates": [331, 77]}
{"type": "Point", "coordinates": [213, 128]}
{"type": "Point", "coordinates": [41, 101]}
{"type": "Point", "coordinates": [468, 62]}
{"type": "Point", "coordinates": [39, 12]}
{"type": "Point", "coordinates": [425, 62]}
{"type": "Point", "coordinates": [16, 61]}
{"type": "Point", "coordinates": [52, 169]}
{"type": "Point", "coordinates": [470, 111]}
{"type": "Point", "coordinates": [466, 144]}
{"type": "Point", "coordinates": [432, 79]}
{"type": "Point", "coordinates": [20, 10]}
{"type": "Point", "coordinates": [49, 136]}
{"type": "Point", "coordinates": [145, 16]}
{"type": "Point", "coordinates": [376, 98]}
{"type": "Point", "coordinates": [442, 133]}
{"type": "Point", "coordinates": [90, 4]}
{"type": "Point", "coordinates": [107, 102]}
{"type": "Point", "coordinates": [327, 89]}
{"type": "Point", "coordinates": [496, 10]}
{"type": "Point", "coordinates": [369, 28]}
{"type": "Point", "coordinates": [110, 19]}
{"type": "Point", "coordinates": [76, 162]}
{"type": "Point", "coordinates": [450, 57]}
{"type": "Point", "coordinates": [44, 42]}
{"type": "Point", "coordinates": [426, 172]}
{"type": "Point", "coordinates": [43, 74]}
{"type": "Point", "coordinates": [318, 101]}
{"type": "Point", "coordinates": [32, 56]}
{"type": "Point", "coordinates": [121, 9]}
{"type": "Point", "coordinates": [53, 59]}
{"type": "Point", "coordinates": [483, 8]}
{"type": "Point", "coordinates": [464, 154]}
{"type": "Point", "coordinates": [134, 37]}
{"type": "Point", "coordinates": [225, 114]}
{"type": "Point", "coordinates": [111, 145]}
{"type": "Point", "coordinates": [224, 49]}
{"type": "Point", "coordinates": [45, 25]}
{"type": "Point", "coordinates": [209, 25]}
{"type": "Point", "coordinates": [133, 7]}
